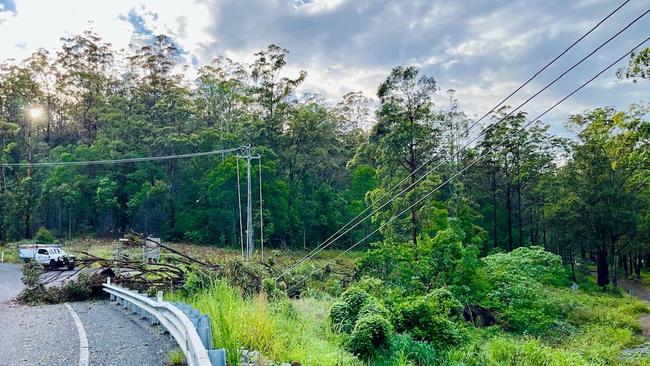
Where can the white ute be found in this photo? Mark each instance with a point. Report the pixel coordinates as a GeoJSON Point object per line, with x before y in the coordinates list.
{"type": "Point", "coordinates": [49, 255]}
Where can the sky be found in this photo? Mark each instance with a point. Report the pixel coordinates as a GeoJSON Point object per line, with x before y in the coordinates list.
{"type": "Point", "coordinates": [482, 49]}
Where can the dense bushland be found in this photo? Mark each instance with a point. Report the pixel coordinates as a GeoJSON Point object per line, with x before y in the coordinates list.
{"type": "Point", "coordinates": [508, 308]}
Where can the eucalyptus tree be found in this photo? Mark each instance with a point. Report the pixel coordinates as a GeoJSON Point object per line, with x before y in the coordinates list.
{"type": "Point", "coordinates": [407, 134]}
{"type": "Point", "coordinates": [272, 91]}
{"type": "Point", "coordinates": [605, 194]}
{"type": "Point", "coordinates": [85, 61]}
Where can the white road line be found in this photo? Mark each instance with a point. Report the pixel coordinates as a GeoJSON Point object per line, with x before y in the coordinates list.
{"type": "Point", "coordinates": [83, 340]}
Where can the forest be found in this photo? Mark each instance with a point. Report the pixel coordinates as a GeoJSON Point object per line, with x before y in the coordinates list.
{"type": "Point", "coordinates": [475, 204]}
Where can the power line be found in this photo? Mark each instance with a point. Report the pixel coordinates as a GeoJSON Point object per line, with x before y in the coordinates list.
{"type": "Point", "coordinates": [338, 234]}
{"type": "Point", "coordinates": [119, 161]}
{"type": "Point", "coordinates": [462, 134]}
{"type": "Point", "coordinates": [489, 152]}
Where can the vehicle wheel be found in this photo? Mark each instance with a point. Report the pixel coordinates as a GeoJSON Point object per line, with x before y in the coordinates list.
{"type": "Point", "coordinates": [52, 264]}
{"type": "Point", "coordinates": [70, 266]}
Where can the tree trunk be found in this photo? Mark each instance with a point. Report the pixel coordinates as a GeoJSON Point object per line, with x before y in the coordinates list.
{"type": "Point", "coordinates": [602, 267]}
{"type": "Point", "coordinates": [624, 262]}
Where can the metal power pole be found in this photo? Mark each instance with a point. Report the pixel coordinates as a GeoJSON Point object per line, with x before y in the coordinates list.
{"type": "Point", "coordinates": [248, 154]}
{"type": "Point", "coordinates": [249, 208]}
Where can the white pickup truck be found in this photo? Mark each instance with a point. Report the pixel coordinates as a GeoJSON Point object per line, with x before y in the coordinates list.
{"type": "Point", "coordinates": [49, 255]}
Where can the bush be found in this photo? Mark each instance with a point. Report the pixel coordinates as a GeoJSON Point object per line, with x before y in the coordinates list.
{"type": "Point", "coordinates": [516, 288]}
{"type": "Point", "coordinates": [43, 236]}
{"type": "Point", "coordinates": [523, 304]}
{"type": "Point", "coordinates": [271, 289]}
{"type": "Point", "coordinates": [198, 280]}
{"type": "Point", "coordinates": [371, 334]}
{"type": "Point", "coordinates": [432, 318]}
{"type": "Point", "coordinates": [344, 314]}
{"type": "Point", "coordinates": [532, 262]}
{"type": "Point", "coordinates": [246, 276]}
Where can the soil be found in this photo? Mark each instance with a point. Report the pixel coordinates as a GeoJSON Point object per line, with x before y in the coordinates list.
{"type": "Point", "coordinates": [636, 288]}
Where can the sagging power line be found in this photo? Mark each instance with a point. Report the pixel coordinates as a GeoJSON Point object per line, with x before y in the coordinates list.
{"type": "Point", "coordinates": [120, 161]}
{"type": "Point", "coordinates": [479, 158]}
{"type": "Point", "coordinates": [337, 235]}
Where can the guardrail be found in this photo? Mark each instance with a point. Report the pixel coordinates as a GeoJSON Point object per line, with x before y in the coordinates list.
{"type": "Point", "coordinates": [182, 324]}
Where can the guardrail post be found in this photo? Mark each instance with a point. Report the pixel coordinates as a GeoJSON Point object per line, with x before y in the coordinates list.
{"type": "Point", "coordinates": [159, 296]}
{"type": "Point", "coordinates": [217, 357]}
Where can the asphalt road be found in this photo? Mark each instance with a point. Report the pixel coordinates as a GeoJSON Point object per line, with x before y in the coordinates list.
{"type": "Point", "coordinates": [49, 335]}
{"type": "Point", "coordinates": [10, 284]}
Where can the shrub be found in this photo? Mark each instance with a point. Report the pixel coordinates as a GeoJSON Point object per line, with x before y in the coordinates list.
{"type": "Point", "coordinates": [516, 288]}
{"type": "Point", "coordinates": [344, 314]}
{"type": "Point", "coordinates": [523, 304]}
{"type": "Point", "coordinates": [432, 318]}
{"type": "Point", "coordinates": [532, 262]}
{"type": "Point", "coordinates": [271, 289]}
{"type": "Point", "coordinates": [43, 236]}
{"type": "Point", "coordinates": [371, 333]}
{"type": "Point", "coordinates": [198, 280]}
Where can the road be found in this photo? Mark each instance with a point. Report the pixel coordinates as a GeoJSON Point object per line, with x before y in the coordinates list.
{"type": "Point", "coordinates": [85, 333]}
{"type": "Point", "coordinates": [10, 284]}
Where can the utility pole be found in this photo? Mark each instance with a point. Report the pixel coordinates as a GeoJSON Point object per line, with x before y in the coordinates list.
{"type": "Point", "coordinates": [249, 208]}
{"type": "Point", "coordinates": [248, 153]}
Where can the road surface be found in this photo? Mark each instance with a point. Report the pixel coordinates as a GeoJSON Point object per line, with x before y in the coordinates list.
{"type": "Point", "coordinates": [85, 333]}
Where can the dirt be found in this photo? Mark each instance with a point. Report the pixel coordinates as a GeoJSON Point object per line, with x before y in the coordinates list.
{"type": "Point", "coordinates": [636, 288]}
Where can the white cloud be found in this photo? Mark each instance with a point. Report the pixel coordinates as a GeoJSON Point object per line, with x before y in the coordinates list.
{"type": "Point", "coordinates": [484, 50]}
{"type": "Point", "coordinates": [39, 24]}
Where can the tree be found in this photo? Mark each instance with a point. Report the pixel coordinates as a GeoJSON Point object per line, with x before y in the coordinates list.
{"type": "Point", "coordinates": [604, 194]}
{"type": "Point", "coordinates": [638, 67]}
{"type": "Point", "coordinates": [271, 90]}
{"type": "Point", "coordinates": [85, 61]}
{"type": "Point", "coordinates": [405, 136]}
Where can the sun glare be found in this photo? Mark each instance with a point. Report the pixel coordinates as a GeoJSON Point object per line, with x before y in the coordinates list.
{"type": "Point", "coordinates": [35, 112]}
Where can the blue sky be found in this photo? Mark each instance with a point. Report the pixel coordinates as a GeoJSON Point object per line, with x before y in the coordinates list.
{"type": "Point", "coordinates": [482, 49]}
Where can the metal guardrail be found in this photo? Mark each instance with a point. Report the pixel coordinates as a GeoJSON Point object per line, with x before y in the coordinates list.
{"type": "Point", "coordinates": [176, 321]}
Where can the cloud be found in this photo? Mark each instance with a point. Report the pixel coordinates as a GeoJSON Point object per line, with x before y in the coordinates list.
{"type": "Point", "coordinates": [481, 49]}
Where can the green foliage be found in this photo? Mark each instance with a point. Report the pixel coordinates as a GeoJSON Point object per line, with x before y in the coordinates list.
{"type": "Point", "coordinates": [34, 290]}
{"type": "Point", "coordinates": [444, 260]}
{"type": "Point", "coordinates": [371, 333]}
{"type": "Point", "coordinates": [433, 318]}
{"type": "Point", "coordinates": [176, 358]}
{"type": "Point", "coordinates": [515, 288]}
{"type": "Point", "coordinates": [531, 262]}
{"type": "Point", "coordinates": [283, 331]}
{"type": "Point", "coordinates": [344, 314]}
{"type": "Point", "coordinates": [44, 236]}
{"type": "Point", "coordinates": [405, 350]}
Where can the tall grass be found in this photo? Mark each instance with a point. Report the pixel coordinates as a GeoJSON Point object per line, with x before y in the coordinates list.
{"type": "Point", "coordinates": [283, 331]}
{"type": "Point", "coordinates": [595, 329]}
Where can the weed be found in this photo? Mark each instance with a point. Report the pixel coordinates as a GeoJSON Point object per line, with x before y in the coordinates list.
{"type": "Point", "coordinates": [176, 358]}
